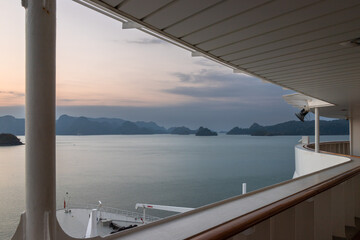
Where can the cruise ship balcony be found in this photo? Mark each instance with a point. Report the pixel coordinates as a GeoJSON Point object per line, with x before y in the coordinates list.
{"type": "Point", "coordinates": [321, 204]}
{"type": "Point", "coordinates": [342, 147]}
{"type": "Point", "coordinates": [324, 204]}
{"type": "Point", "coordinates": [309, 46]}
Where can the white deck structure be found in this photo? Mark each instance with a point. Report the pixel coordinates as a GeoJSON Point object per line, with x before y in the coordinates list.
{"type": "Point", "coordinates": [309, 46]}
{"type": "Point", "coordinates": [75, 223]}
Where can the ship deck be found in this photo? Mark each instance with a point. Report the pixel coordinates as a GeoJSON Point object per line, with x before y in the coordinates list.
{"type": "Point", "coordinates": [75, 222]}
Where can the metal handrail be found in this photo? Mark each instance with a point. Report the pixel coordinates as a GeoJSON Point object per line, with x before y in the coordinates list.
{"type": "Point", "coordinates": [237, 225]}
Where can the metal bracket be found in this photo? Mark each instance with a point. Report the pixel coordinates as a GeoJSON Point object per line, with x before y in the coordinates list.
{"type": "Point", "coordinates": [46, 5]}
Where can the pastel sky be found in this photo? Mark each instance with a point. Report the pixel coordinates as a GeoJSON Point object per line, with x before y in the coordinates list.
{"type": "Point", "coordinates": [104, 71]}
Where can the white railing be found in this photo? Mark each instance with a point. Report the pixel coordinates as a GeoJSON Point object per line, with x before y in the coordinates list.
{"type": "Point", "coordinates": [135, 215]}
{"type": "Point", "coordinates": [342, 147]}
{"type": "Point", "coordinates": [308, 161]}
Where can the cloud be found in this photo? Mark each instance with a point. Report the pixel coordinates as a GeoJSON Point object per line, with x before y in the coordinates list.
{"type": "Point", "coordinates": [99, 101]}
{"type": "Point", "coordinates": [147, 41]}
{"type": "Point", "coordinates": [228, 89]}
{"type": "Point", "coordinates": [12, 94]}
{"type": "Point", "coordinates": [67, 100]}
{"type": "Point", "coordinates": [211, 76]}
{"type": "Point", "coordinates": [234, 93]}
{"type": "Point", "coordinates": [208, 92]}
{"type": "Point", "coordinates": [183, 77]}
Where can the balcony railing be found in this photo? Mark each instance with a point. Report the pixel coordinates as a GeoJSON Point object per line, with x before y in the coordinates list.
{"type": "Point", "coordinates": [327, 210]}
{"type": "Point", "coordinates": [320, 205]}
{"type": "Point", "coordinates": [125, 213]}
{"type": "Point", "coordinates": [333, 147]}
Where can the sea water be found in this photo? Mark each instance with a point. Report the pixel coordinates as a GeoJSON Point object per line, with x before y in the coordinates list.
{"type": "Point", "coordinates": [120, 170]}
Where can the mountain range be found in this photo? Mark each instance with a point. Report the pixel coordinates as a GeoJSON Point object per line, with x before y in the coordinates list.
{"type": "Point", "coordinates": [334, 127]}
{"type": "Point", "coordinates": [68, 125]}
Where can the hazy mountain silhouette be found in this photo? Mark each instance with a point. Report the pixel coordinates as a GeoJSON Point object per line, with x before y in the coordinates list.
{"type": "Point", "coordinates": [67, 125]}
{"type": "Point", "coordinates": [335, 127]}
{"type": "Point", "coordinates": [9, 124]}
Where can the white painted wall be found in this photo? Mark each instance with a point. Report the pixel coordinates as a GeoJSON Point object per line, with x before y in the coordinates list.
{"type": "Point", "coordinates": [307, 161]}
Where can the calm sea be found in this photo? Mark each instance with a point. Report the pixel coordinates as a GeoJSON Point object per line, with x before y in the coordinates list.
{"type": "Point", "coordinates": [173, 170]}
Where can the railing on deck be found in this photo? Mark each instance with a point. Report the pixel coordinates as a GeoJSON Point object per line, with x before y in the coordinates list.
{"type": "Point", "coordinates": [333, 147]}
{"type": "Point", "coordinates": [321, 205]}
{"type": "Point", "coordinates": [323, 211]}
{"type": "Point", "coordinates": [314, 211]}
{"type": "Point", "coordinates": [148, 218]}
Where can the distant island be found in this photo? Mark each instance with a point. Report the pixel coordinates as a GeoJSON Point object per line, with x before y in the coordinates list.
{"type": "Point", "coordinates": [7, 139]}
{"type": "Point", "coordinates": [181, 131]}
{"type": "Point", "coordinates": [205, 132]}
{"type": "Point", "coordinates": [68, 125]}
{"type": "Point", "coordinates": [334, 127]}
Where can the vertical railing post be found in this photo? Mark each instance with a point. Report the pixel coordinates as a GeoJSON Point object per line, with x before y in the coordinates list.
{"type": "Point", "coordinates": [317, 130]}
{"type": "Point", "coordinates": [349, 202]}
{"type": "Point", "coordinates": [304, 220]}
{"type": "Point", "coordinates": [351, 136]}
{"type": "Point", "coordinates": [244, 188]}
{"type": "Point", "coordinates": [282, 225]}
{"type": "Point", "coordinates": [338, 212]}
{"type": "Point", "coordinates": [356, 191]}
{"type": "Point", "coordinates": [40, 119]}
{"type": "Point", "coordinates": [322, 215]}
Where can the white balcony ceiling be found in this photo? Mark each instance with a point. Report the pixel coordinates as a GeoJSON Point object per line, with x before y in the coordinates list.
{"type": "Point", "coordinates": [295, 44]}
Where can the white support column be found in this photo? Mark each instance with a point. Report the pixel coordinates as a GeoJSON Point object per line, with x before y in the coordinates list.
{"type": "Point", "coordinates": [40, 119]}
{"type": "Point", "coordinates": [317, 130]}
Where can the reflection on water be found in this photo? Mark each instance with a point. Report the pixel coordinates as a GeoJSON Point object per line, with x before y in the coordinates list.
{"type": "Point", "coordinates": [120, 171]}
